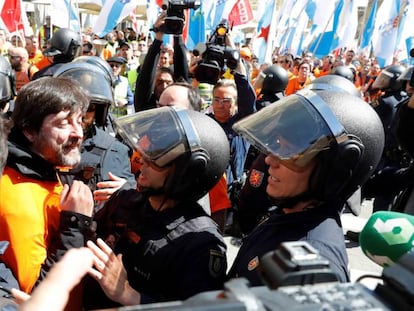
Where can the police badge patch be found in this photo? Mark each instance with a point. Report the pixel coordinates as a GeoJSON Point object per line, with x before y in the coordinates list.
{"type": "Point", "coordinates": [256, 178]}
{"type": "Point", "coordinates": [253, 264]}
{"type": "Point", "coordinates": [217, 263]}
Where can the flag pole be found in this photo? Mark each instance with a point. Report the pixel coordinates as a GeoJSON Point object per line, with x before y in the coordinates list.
{"type": "Point", "coordinates": [272, 35]}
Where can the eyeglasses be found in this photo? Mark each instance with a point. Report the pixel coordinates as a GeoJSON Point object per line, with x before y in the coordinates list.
{"type": "Point", "coordinates": [14, 56]}
{"type": "Point", "coordinates": [280, 61]}
{"type": "Point", "coordinates": [227, 101]}
{"type": "Point", "coordinates": [116, 65]}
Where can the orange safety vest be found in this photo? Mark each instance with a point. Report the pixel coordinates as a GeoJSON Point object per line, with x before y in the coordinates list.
{"type": "Point", "coordinates": [29, 217]}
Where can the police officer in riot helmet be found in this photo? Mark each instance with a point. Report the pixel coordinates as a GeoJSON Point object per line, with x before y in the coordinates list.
{"type": "Point", "coordinates": [7, 85]}
{"type": "Point", "coordinates": [394, 157]}
{"type": "Point", "coordinates": [170, 248]}
{"type": "Point", "coordinates": [254, 189]}
{"type": "Point", "coordinates": [272, 83]}
{"type": "Point", "coordinates": [320, 146]}
{"type": "Point", "coordinates": [104, 165]}
{"type": "Point", "coordinates": [344, 71]}
{"type": "Point", "coordinates": [65, 45]}
{"type": "Point", "coordinates": [333, 82]}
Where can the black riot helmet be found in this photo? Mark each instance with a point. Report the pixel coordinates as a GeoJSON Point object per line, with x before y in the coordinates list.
{"type": "Point", "coordinates": [272, 80]}
{"type": "Point", "coordinates": [93, 80]}
{"type": "Point", "coordinates": [64, 42]}
{"type": "Point", "coordinates": [101, 64]}
{"type": "Point", "coordinates": [335, 83]}
{"type": "Point", "coordinates": [7, 81]}
{"type": "Point", "coordinates": [192, 141]}
{"type": "Point", "coordinates": [344, 71]}
{"type": "Point", "coordinates": [340, 131]}
{"type": "Point", "coordinates": [406, 75]}
{"type": "Point", "coordinates": [388, 78]}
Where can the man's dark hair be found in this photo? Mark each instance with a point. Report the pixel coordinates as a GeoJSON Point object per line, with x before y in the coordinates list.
{"type": "Point", "coordinates": [45, 96]}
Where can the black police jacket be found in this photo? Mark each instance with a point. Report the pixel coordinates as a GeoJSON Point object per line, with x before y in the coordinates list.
{"type": "Point", "coordinates": [320, 227]}
{"type": "Point", "coordinates": [169, 255]}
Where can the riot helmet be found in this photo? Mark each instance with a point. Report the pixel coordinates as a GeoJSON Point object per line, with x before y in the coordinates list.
{"type": "Point", "coordinates": [64, 42]}
{"type": "Point", "coordinates": [339, 130]}
{"type": "Point", "coordinates": [7, 84]}
{"type": "Point", "coordinates": [333, 83]}
{"type": "Point", "coordinates": [101, 64]}
{"type": "Point", "coordinates": [93, 80]}
{"type": "Point", "coordinates": [388, 78]}
{"type": "Point", "coordinates": [272, 80]}
{"type": "Point", "coordinates": [192, 141]}
{"type": "Point", "coordinates": [343, 71]}
{"type": "Point", "coordinates": [406, 75]}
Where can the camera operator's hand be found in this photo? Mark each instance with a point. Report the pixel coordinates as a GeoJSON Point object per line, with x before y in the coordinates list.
{"type": "Point", "coordinates": [158, 25]}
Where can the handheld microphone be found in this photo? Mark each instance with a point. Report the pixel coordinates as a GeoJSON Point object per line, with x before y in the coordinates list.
{"type": "Point", "coordinates": [387, 236]}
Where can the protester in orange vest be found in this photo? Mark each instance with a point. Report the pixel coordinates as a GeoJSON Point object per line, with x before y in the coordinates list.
{"type": "Point", "coordinates": [38, 213]}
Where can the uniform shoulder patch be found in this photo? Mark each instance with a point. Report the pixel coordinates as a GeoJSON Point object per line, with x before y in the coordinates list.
{"type": "Point", "coordinates": [217, 263]}
{"type": "Point", "coordinates": [256, 178]}
{"type": "Point", "coordinates": [253, 264]}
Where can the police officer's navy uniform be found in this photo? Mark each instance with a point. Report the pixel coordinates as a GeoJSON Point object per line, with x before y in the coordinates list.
{"type": "Point", "coordinates": [319, 226]}
{"type": "Point", "coordinates": [169, 255]}
{"type": "Point", "coordinates": [100, 154]}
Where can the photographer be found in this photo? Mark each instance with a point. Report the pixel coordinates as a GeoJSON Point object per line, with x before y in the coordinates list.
{"type": "Point", "coordinates": [232, 101]}
{"type": "Point", "coordinates": [153, 80]}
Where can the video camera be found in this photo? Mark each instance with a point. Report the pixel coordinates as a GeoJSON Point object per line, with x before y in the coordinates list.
{"type": "Point", "coordinates": [174, 21]}
{"type": "Point", "coordinates": [299, 279]}
{"type": "Point", "coordinates": [216, 56]}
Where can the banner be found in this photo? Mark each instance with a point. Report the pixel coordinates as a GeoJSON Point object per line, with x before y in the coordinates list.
{"type": "Point", "coordinates": [241, 13]}
{"type": "Point", "coordinates": [65, 15]}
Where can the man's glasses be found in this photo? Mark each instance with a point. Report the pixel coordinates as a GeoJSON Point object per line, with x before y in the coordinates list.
{"type": "Point", "coordinates": [13, 56]}
{"type": "Point", "coordinates": [116, 65]}
{"type": "Point", "coordinates": [227, 101]}
{"type": "Point", "coordinates": [280, 61]}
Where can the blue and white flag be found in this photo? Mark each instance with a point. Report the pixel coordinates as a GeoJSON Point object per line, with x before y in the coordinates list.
{"type": "Point", "coordinates": [405, 36]}
{"type": "Point", "coordinates": [369, 29]}
{"type": "Point", "coordinates": [65, 15]}
{"type": "Point", "coordinates": [264, 17]}
{"type": "Point", "coordinates": [384, 38]}
{"type": "Point", "coordinates": [112, 13]}
{"type": "Point", "coordinates": [196, 28]}
{"type": "Point", "coordinates": [221, 10]}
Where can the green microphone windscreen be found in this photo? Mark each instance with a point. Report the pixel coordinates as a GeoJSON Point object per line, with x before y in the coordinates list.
{"type": "Point", "coordinates": [387, 236]}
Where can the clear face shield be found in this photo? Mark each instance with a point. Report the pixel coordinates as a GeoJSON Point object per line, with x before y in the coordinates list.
{"type": "Point", "coordinates": [294, 129]}
{"type": "Point", "coordinates": [382, 82]}
{"type": "Point", "coordinates": [159, 135]}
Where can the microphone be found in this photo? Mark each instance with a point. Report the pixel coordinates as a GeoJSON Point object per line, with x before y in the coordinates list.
{"type": "Point", "coordinates": [387, 236]}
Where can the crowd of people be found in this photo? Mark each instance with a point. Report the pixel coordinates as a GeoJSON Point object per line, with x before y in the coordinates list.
{"type": "Point", "coordinates": [122, 175]}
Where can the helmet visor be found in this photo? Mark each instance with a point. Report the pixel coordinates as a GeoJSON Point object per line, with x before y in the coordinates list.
{"type": "Point", "coordinates": [382, 82]}
{"type": "Point", "coordinates": [294, 129]}
{"type": "Point", "coordinates": [160, 135]}
{"type": "Point", "coordinates": [93, 81]}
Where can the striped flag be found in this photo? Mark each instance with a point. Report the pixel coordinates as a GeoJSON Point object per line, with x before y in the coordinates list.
{"type": "Point", "coordinates": [261, 44]}
{"type": "Point", "coordinates": [369, 28]}
{"type": "Point", "coordinates": [112, 13]}
{"type": "Point", "coordinates": [65, 15]}
{"type": "Point", "coordinates": [384, 37]}
{"type": "Point", "coordinates": [196, 28]}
